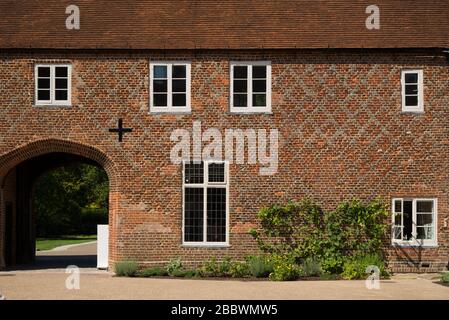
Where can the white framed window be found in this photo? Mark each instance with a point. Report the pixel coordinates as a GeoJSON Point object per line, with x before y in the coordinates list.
{"type": "Point", "coordinates": [250, 86]}
{"type": "Point", "coordinates": [170, 86]}
{"type": "Point", "coordinates": [205, 203]}
{"type": "Point", "coordinates": [53, 84]}
{"type": "Point", "coordinates": [412, 91]}
{"type": "Point", "coordinates": [414, 221]}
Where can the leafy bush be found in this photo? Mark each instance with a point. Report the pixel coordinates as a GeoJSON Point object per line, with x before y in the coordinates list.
{"type": "Point", "coordinates": [179, 273]}
{"type": "Point", "coordinates": [302, 229]}
{"type": "Point", "coordinates": [191, 274]}
{"type": "Point", "coordinates": [311, 267]}
{"type": "Point", "coordinates": [214, 268]}
{"type": "Point", "coordinates": [259, 266]}
{"type": "Point", "coordinates": [284, 269]}
{"type": "Point", "coordinates": [332, 264]}
{"type": "Point", "coordinates": [445, 278]}
{"type": "Point", "coordinates": [154, 272]}
{"type": "Point", "coordinates": [356, 267]}
{"type": "Point", "coordinates": [239, 270]}
{"type": "Point", "coordinates": [174, 266]}
{"type": "Point", "coordinates": [353, 229]}
{"type": "Point", "coordinates": [328, 276]}
{"type": "Point", "coordinates": [291, 229]}
{"type": "Point", "coordinates": [126, 268]}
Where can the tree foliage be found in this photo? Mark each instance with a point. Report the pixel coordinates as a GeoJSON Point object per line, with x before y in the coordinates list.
{"type": "Point", "coordinates": [71, 200]}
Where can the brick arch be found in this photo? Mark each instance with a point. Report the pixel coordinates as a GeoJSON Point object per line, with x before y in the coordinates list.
{"type": "Point", "coordinates": [37, 148]}
{"type": "Point", "coordinates": [34, 149]}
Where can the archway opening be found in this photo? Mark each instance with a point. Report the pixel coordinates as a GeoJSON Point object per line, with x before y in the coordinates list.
{"type": "Point", "coordinates": [52, 200]}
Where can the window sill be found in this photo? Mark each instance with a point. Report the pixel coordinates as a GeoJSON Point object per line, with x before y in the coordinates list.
{"type": "Point", "coordinates": [52, 106]}
{"type": "Point", "coordinates": [412, 112]}
{"type": "Point", "coordinates": [206, 246]}
{"type": "Point", "coordinates": [414, 245]}
{"type": "Point", "coordinates": [176, 113]}
{"type": "Point", "coordinates": [250, 112]}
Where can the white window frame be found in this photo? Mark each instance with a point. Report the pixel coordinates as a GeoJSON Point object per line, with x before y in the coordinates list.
{"type": "Point", "coordinates": [52, 101]}
{"type": "Point", "coordinates": [170, 108]}
{"type": "Point", "coordinates": [420, 106]}
{"type": "Point", "coordinates": [415, 242]}
{"type": "Point", "coordinates": [250, 108]}
{"type": "Point", "coordinates": [206, 184]}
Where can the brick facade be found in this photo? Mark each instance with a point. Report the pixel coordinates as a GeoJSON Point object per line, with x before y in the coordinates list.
{"type": "Point", "coordinates": [342, 134]}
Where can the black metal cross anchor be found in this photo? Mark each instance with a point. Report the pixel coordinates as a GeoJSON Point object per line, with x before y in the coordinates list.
{"type": "Point", "coordinates": [120, 130]}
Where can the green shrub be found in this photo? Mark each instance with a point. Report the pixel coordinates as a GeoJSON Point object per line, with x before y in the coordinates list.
{"type": "Point", "coordinates": [445, 278]}
{"type": "Point", "coordinates": [174, 266]}
{"type": "Point", "coordinates": [332, 265]}
{"type": "Point", "coordinates": [328, 276]}
{"type": "Point", "coordinates": [302, 229]}
{"type": "Point", "coordinates": [311, 267]}
{"type": "Point", "coordinates": [191, 274]}
{"type": "Point", "coordinates": [353, 229]}
{"type": "Point", "coordinates": [239, 270]}
{"type": "Point", "coordinates": [291, 229]}
{"type": "Point", "coordinates": [224, 268]}
{"type": "Point", "coordinates": [210, 268]}
{"type": "Point", "coordinates": [214, 268]}
{"type": "Point", "coordinates": [259, 266]}
{"type": "Point", "coordinates": [284, 269]}
{"type": "Point", "coordinates": [154, 272]}
{"type": "Point", "coordinates": [126, 268]}
{"type": "Point", "coordinates": [179, 273]}
{"type": "Point", "coordinates": [356, 267]}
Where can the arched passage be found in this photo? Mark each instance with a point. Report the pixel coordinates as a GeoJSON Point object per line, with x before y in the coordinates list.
{"type": "Point", "coordinates": [19, 170]}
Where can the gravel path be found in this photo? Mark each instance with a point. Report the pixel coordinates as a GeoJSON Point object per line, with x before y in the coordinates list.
{"type": "Point", "coordinates": [47, 278]}
{"type": "Point", "coordinates": [102, 285]}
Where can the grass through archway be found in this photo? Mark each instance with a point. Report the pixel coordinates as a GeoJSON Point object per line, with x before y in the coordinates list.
{"type": "Point", "coordinates": [68, 203]}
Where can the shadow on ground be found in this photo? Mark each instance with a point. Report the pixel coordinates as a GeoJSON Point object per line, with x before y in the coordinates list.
{"type": "Point", "coordinates": [58, 262]}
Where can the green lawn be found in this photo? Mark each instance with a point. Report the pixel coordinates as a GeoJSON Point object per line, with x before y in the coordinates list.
{"type": "Point", "coordinates": [50, 243]}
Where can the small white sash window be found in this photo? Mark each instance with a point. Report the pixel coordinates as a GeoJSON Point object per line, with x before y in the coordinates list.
{"type": "Point", "coordinates": [250, 86]}
{"type": "Point", "coordinates": [170, 87]}
{"type": "Point", "coordinates": [53, 84]}
{"type": "Point", "coordinates": [412, 91]}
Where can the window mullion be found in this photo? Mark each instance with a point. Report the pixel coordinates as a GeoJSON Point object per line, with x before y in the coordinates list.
{"type": "Point", "coordinates": [250, 86]}
{"type": "Point", "coordinates": [205, 182]}
{"type": "Point", "coordinates": [232, 85]}
{"type": "Point", "coordinates": [52, 84]}
{"type": "Point", "coordinates": [205, 214]}
{"type": "Point", "coordinates": [169, 86]}
{"type": "Point", "coordinates": [414, 234]}
{"type": "Point", "coordinates": [402, 219]}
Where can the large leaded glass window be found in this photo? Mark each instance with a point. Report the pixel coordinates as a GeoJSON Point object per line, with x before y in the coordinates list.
{"type": "Point", "coordinates": [205, 204]}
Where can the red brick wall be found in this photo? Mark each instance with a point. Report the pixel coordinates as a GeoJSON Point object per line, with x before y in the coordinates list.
{"type": "Point", "coordinates": [338, 113]}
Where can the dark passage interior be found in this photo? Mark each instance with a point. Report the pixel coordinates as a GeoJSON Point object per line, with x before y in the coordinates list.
{"type": "Point", "coordinates": [20, 237]}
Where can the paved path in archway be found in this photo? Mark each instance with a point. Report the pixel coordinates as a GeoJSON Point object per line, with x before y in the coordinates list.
{"type": "Point", "coordinates": [79, 249]}
{"type": "Point", "coordinates": [83, 255]}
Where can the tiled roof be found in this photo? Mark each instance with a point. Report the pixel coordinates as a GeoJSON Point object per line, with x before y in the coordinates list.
{"type": "Point", "coordinates": [215, 24]}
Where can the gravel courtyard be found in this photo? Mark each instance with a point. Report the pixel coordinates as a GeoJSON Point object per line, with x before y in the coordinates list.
{"type": "Point", "coordinates": [47, 280]}
{"type": "Point", "coordinates": [50, 284]}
